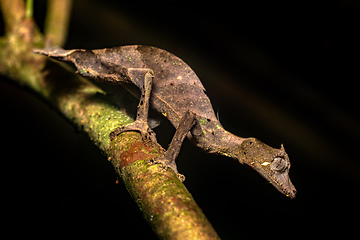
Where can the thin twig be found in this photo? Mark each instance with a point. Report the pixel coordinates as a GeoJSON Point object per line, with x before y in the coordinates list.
{"type": "Point", "coordinates": [15, 15]}
{"type": "Point", "coordinates": [29, 8]}
{"type": "Point", "coordinates": [57, 22]}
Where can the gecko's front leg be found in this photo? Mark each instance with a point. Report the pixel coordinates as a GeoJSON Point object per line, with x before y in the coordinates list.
{"type": "Point", "coordinates": [142, 78]}
{"type": "Point", "coordinates": [168, 158]}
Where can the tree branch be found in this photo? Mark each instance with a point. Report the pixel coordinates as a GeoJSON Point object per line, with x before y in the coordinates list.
{"type": "Point", "coordinates": [15, 15]}
{"type": "Point", "coordinates": [29, 8]}
{"type": "Point", "coordinates": [165, 202]}
{"type": "Point", "coordinates": [57, 22]}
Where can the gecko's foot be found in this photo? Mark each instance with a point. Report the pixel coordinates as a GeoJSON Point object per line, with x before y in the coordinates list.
{"type": "Point", "coordinates": [146, 133]}
{"type": "Point", "coordinates": [165, 164]}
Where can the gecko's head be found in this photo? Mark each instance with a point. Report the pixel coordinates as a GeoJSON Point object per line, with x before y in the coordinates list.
{"type": "Point", "coordinates": [273, 164]}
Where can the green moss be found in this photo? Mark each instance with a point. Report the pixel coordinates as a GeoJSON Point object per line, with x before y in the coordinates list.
{"type": "Point", "coordinates": [203, 121]}
{"type": "Point", "coordinates": [82, 71]}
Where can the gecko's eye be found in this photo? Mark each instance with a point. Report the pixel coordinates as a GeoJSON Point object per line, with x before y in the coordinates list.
{"type": "Point", "coordinates": [279, 164]}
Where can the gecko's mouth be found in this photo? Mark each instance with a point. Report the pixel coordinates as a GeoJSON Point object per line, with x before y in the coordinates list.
{"type": "Point", "coordinates": [280, 180]}
{"type": "Point", "coordinates": [288, 190]}
{"type": "Point", "coordinates": [282, 183]}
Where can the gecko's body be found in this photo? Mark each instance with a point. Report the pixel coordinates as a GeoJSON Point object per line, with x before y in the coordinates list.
{"type": "Point", "coordinates": [169, 86]}
{"type": "Point", "coordinates": [176, 89]}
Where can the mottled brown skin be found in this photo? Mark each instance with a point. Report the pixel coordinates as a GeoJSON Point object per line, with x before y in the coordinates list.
{"type": "Point", "coordinates": [169, 86]}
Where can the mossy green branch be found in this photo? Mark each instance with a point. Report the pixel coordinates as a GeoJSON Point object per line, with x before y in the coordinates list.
{"type": "Point", "coordinates": [29, 8]}
{"type": "Point", "coordinates": [163, 199]}
{"type": "Point", "coordinates": [165, 202]}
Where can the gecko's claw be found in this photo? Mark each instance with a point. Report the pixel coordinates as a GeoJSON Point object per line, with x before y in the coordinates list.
{"type": "Point", "coordinates": [165, 164]}
{"type": "Point", "coordinates": [146, 133]}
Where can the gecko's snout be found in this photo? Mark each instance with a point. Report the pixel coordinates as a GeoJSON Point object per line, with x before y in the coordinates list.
{"type": "Point", "coordinates": [273, 164]}
{"type": "Point", "coordinates": [278, 174]}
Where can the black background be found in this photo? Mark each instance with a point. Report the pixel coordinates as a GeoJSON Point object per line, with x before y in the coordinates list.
{"type": "Point", "coordinates": [283, 72]}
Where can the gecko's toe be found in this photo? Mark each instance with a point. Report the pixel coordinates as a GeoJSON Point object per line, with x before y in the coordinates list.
{"type": "Point", "coordinates": [139, 126]}
{"type": "Point", "coordinates": [180, 177]}
{"type": "Point", "coordinates": [115, 133]}
{"type": "Point", "coordinates": [165, 164]}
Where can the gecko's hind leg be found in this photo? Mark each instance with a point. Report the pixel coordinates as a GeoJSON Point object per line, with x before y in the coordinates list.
{"type": "Point", "coordinates": [168, 158]}
{"type": "Point", "coordinates": [142, 78]}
